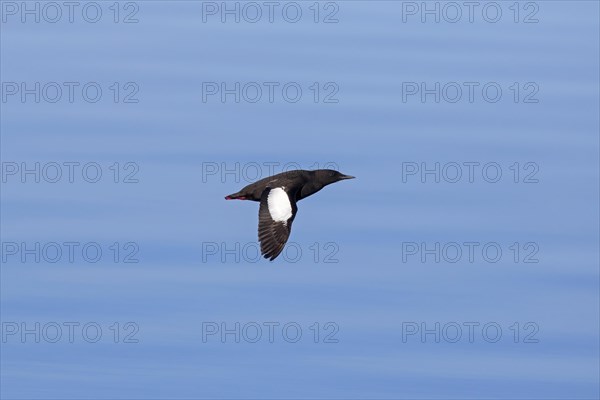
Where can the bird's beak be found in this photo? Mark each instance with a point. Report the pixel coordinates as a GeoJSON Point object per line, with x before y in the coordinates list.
{"type": "Point", "coordinates": [347, 177]}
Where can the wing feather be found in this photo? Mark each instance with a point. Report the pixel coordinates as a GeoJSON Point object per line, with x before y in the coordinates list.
{"type": "Point", "coordinates": [275, 216]}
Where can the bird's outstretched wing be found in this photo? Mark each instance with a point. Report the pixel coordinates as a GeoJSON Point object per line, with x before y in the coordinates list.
{"type": "Point", "coordinates": [275, 216]}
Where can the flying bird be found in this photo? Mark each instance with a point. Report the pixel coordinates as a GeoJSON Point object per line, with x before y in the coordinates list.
{"type": "Point", "coordinates": [278, 195]}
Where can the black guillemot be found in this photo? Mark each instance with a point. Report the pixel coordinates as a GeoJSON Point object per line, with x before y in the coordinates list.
{"type": "Point", "coordinates": [278, 195]}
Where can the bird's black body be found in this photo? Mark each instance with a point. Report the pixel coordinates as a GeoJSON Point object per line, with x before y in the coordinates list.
{"type": "Point", "coordinates": [299, 183]}
{"type": "Point", "coordinates": [278, 195]}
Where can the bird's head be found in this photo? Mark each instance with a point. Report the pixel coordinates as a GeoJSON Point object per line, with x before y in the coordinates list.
{"type": "Point", "coordinates": [329, 176]}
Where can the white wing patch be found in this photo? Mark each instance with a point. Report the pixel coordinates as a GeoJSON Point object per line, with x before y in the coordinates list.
{"type": "Point", "coordinates": [279, 205]}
